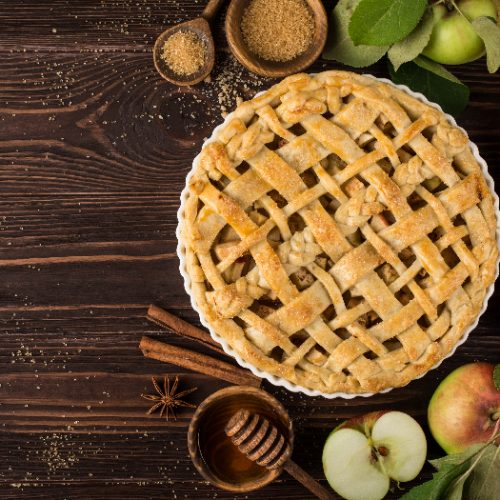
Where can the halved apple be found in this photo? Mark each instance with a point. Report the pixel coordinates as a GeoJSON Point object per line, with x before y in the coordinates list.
{"type": "Point", "coordinates": [362, 455]}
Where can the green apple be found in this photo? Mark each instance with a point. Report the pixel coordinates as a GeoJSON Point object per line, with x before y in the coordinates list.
{"type": "Point", "coordinates": [362, 455]}
{"type": "Point", "coordinates": [453, 39]}
{"type": "Point", "coordinates": [465, 408]}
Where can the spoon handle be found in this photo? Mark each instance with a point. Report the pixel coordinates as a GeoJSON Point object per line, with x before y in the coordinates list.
{"type": "Point", "coordinates": [308, 481]}
{"type": "Point", "coordinates": [211, 9]}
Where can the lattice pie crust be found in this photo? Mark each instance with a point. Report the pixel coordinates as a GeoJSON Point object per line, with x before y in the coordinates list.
{"type": "Point", "coordinates": [339, 233]}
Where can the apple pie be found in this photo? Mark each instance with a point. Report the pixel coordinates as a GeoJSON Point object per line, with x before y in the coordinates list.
{"type": "Point", "coordinates": [338, 233]}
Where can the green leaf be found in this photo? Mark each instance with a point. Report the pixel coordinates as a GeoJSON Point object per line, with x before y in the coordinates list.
{"type": "Point", "coordinates": [410, 47]}
{"type": "Point", "coordinates": [421, 492]}
{"type": "Point", "coordinates": [456, 489]}
{"type": "Point", "coordinates": [382, 22]}
{"type": "Point", "coordinates": [489, 31]}
{"type": "Point", "coordinates": [456, 458]}
{"type": "Point", "coordinates": [438, 485]}
{"type": "Point", "coordinates": [436, 68]}
{"type": "Point", "coordinates": [496, 377]}
{"type": "Point", "coordinates": [432, 80]}
{"type": "Point", "coordinates": [339, 45]}
{"type": "Point", "coordinates": [484, 483]}
{"type": "Point", "coordinates": [456, 473]}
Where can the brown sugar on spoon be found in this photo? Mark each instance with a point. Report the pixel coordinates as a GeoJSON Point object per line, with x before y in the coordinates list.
{"type": "Point", "coordinates": [277, 30]}
{"type": "Point", "coordinates": [184, 52]}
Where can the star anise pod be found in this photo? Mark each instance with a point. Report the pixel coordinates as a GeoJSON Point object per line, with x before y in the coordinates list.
{"type": "Point", "coordinates": [167, 398]}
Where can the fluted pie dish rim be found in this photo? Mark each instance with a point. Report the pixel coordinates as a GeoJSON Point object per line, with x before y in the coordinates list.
{"type": "Point", "coordinates": [215, 311]}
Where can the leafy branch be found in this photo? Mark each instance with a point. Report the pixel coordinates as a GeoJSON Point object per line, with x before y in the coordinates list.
{"type": "Point", "coordinates": [473, 474]}
{"type": "Point", "coordinates": [363, 31]}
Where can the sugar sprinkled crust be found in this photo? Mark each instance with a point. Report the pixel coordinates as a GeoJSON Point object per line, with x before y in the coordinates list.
{"type": "Point", "coordinates": [339, 233]}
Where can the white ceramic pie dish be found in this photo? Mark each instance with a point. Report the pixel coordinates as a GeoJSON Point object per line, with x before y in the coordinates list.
{"type": "Point", "coordinates": [278, 381]}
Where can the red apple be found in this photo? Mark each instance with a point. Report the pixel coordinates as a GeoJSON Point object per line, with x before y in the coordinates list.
{"type": "Point", "coordinates": [465, 408]}
{"type": "Point", "coordinates": [362, 455]}
{"type": "Point", "coordinates": [453, 39]}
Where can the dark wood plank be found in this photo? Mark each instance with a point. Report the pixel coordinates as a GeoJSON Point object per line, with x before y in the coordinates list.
{"type": "Point", "coordinates": [101, 25]}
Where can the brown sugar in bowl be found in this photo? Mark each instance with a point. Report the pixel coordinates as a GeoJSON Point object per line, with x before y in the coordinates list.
{"type": "Point", "coordinates": [207, 438]}
{"type": "Point", "coordinates": [270, 68]}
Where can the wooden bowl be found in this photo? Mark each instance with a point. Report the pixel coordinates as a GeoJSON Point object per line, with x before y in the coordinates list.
{"type": "Point", "coordinates": [207, 438]}
{"type": "Point", "coordinates": [201, 28]}
{"type": "Point", "coordinates": [275, 68]}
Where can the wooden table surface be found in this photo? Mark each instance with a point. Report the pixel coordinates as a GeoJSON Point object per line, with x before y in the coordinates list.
{"type": "Point", "coordinates": [94, 149]}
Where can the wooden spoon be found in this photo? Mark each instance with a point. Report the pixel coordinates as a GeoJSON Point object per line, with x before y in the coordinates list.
{"type": "Point", "coordinates": [260, 440]}
{"type": "Point", "coordinates": [201, 27]}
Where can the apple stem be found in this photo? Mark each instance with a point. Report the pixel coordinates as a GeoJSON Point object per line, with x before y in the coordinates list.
{"type": "Point", "coordinates": [495, 416]}
{"type": "Point", "coordinates": [448, 4]}
{"type": "Point", "coordinates": [455, 6]}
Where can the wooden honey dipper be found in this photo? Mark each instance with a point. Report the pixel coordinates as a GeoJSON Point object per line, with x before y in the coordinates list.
{"type": "Point", "coordinates": [261, 441]}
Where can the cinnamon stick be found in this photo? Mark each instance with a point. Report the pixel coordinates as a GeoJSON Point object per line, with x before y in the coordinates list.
{"type": "Point", "coordinates": [165, 319]}
{"type": "Point", "coordinates": [195, 361]}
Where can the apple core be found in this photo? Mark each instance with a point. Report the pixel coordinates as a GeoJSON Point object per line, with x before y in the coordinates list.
{"type": "Point", "coordinates": [361, 456]}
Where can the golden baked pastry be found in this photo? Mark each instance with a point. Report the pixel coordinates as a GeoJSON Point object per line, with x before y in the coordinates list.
{"type": "Point", "coordinates": [339, 233]}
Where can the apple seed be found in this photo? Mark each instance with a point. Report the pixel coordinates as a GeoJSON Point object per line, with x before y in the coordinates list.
{"type": "Point", "coordinates": [383, 451]}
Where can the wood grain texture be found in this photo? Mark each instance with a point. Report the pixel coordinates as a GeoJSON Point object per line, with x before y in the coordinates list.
{"type": "Point", "coordinates": [94, 149]}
